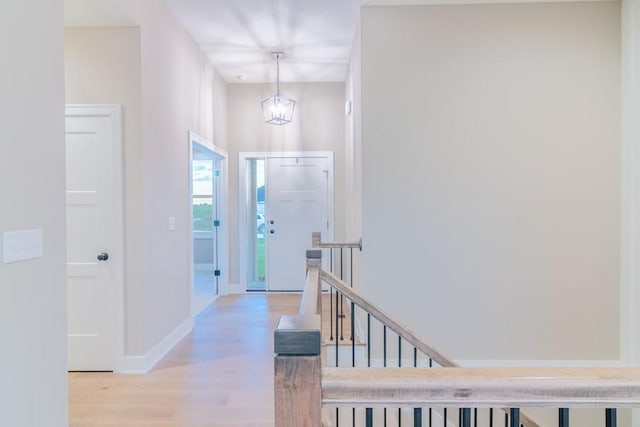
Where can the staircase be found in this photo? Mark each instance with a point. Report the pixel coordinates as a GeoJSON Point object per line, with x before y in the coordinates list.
{"type": "Point", "coordinates": [387, 376]}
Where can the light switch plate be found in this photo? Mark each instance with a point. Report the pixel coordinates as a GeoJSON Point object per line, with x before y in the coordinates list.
{"type": "Point", "coordinates": [172, 223]}
{"type": "Point", "coordinates": [21, 245]}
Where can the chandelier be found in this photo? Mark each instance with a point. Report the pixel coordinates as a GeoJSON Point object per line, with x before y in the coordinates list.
{"type": "Point", "coordinates": [278, 110]}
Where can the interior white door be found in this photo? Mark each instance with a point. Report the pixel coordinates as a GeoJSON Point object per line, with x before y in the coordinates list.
{"type": "Point", "coordinates": [92, 238]}
{"type": "Point", "coordinates": [297, 204]}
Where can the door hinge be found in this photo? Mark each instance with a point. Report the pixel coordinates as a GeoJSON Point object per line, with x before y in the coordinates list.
{"type": "Point", "coordinates": [216, 273]}
{"type": "Point", "coordinates": [216, 223]}
{"type": "Point", "coordinates": [216, 172]}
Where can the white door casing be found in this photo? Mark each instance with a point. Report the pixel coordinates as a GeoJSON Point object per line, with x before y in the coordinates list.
{"type": "Point", "coordinates": [295, 254]}
{"type": "Point", "coordinates": [95, 312]}
{"type": "Point", "coordinates": [220, 197]}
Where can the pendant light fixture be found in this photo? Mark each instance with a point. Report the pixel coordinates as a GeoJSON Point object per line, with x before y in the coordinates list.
{"type": "Point", "coordinates": [278, 110]}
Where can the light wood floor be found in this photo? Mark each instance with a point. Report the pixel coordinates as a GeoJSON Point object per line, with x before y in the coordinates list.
{"type": "Point", "coordinates": [219, 375]}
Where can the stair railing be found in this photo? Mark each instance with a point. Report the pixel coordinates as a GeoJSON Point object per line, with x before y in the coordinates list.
{"type": "Point", "coordinates": [297, 362]}
{"type": "Point", "coordinates": [303, 386]}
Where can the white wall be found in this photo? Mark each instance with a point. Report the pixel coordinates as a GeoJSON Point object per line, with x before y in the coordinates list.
{"type": "Point", "coordinates": [174, 101]}
{"type": "Point", "coordinates": [491, 176]}
{"type": "Point", "coordinates": [168, 87]}
{"type": "Point", "coordinates": [33, 385]}
{"type": "Point", "coordinates": [630, 297]}
{"type": "Point", "coordinates": [318, 125]}
{"type": "Point", "coordinates": [102, 66]}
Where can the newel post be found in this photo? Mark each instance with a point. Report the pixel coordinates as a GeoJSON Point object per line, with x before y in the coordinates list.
{"type": "Point", "coordinates": [297, 362]}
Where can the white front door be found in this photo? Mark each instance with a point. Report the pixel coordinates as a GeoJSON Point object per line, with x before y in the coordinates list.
{"type": "Point", "coordinates": [297, 204]}
{"type": "Point", "coordinates": [94, 236]}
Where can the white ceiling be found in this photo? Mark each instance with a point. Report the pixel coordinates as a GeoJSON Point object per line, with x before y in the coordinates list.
{"type": "Point", "coordinates": [239, 35]}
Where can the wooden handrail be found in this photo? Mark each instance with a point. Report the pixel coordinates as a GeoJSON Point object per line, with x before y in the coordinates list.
{"type": "Point", "coordinates": [482, 387]}
{"type": "Point", "coordinates": [402, 331]}
{"type": "Point", "coordinates": [396, 327]}
{"type": "Point", "coordinates": [316, 242]}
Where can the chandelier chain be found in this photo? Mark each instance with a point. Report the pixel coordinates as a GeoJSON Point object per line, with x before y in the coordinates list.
{"type": "Point", "coordinates": [278, 74]}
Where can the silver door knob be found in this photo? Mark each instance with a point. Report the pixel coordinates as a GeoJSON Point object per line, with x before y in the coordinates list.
{"type": "Point", "coordinates": [103, 256]}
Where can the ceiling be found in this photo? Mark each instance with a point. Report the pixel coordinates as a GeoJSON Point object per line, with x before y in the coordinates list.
{"type": "Point", "coordinates": [239, 35]}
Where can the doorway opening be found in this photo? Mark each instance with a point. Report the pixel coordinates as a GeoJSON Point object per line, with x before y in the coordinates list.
{"type": "Point", "coordinates": [207, 201]}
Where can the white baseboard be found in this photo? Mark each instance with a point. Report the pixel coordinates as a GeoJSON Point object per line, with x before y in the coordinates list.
{"type": "Point", "coordinates": [235, 288]}
{"type": "Point", "coordinates": [143, 364]}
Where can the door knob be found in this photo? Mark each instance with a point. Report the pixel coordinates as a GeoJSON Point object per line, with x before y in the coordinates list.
{"type": "Point", "coordinates": [103, 256]}
{"type": "Point", "coordinates": [272, 231]}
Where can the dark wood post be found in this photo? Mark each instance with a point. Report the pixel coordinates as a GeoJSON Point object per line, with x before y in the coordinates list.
{"type": "Point", "coordinates": [298, 394]}
{"type": "Point", "coordinates": [297, 364]}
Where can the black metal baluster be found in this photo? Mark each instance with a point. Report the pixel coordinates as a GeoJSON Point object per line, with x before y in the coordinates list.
{"type": "Point", "coordinates": [353, 332]}
{"type": "Point", "coordinates": [515, 417]}
{"type": "Point", "coordinates": [465, 415]}
{"type": "Point", "coordinates": [341, 317]}
{"type": "Point", "coordinates": [490, 417]}
{"type": "Point", "coordinates": [417, 412]}
{"type": "Point", "coordinates": [351, 268]}
{"type": "Point", "coordinates": [384, 361]}
{"type": "Point", "coordinates": [445, 417]}
{"type": "Point", "coordinates": [337, 301]}
{"type": "Point", "coordinates": [475, 417]}
{"type": "Point", "coordinates": [611, 417]}
{"type": "Point", "coordinates": [368, 417]}
{"type": "Point", "coordinates": [331, 303]}
{"type": "Point", "coordinates": [331, 260]}
{"type": "Point", "coordinates": [417, 417]}
{"type": "Point", "coordinates": [331, 313]}
{"type": "Point", "coordinates": [506, 420]}
{"type": "Point", "coordinates": [399, 366]}
{"type": "Point", "coordinates": [563, 417]}
{"type": "Point", "coordinates": [337, 417]}
{"type": "Point", "coordinates": [353, 347]}
{"type": "Point", "coordinates": [341, 301]}
{"type": "Point", "coordinates": [430, 409]}
{"type": "Point", "coordinates": [384, 346]}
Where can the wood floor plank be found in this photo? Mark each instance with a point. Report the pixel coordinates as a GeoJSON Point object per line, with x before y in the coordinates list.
{"type": "Point", "coordinates": [220, 375]}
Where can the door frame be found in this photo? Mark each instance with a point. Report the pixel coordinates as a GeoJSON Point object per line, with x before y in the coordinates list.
{"type": "Point", "coordinates": [222, 200]}
{"type": "Point", "coordinates": [117, 262]}
{"type": "Point", "coordinates": [243, 197]}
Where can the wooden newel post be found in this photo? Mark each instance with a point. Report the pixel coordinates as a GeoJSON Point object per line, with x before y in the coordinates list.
{"type": "Point", "coordinates": [298, 394]}
{"type": "Point", "coordinates": [298, 376]}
